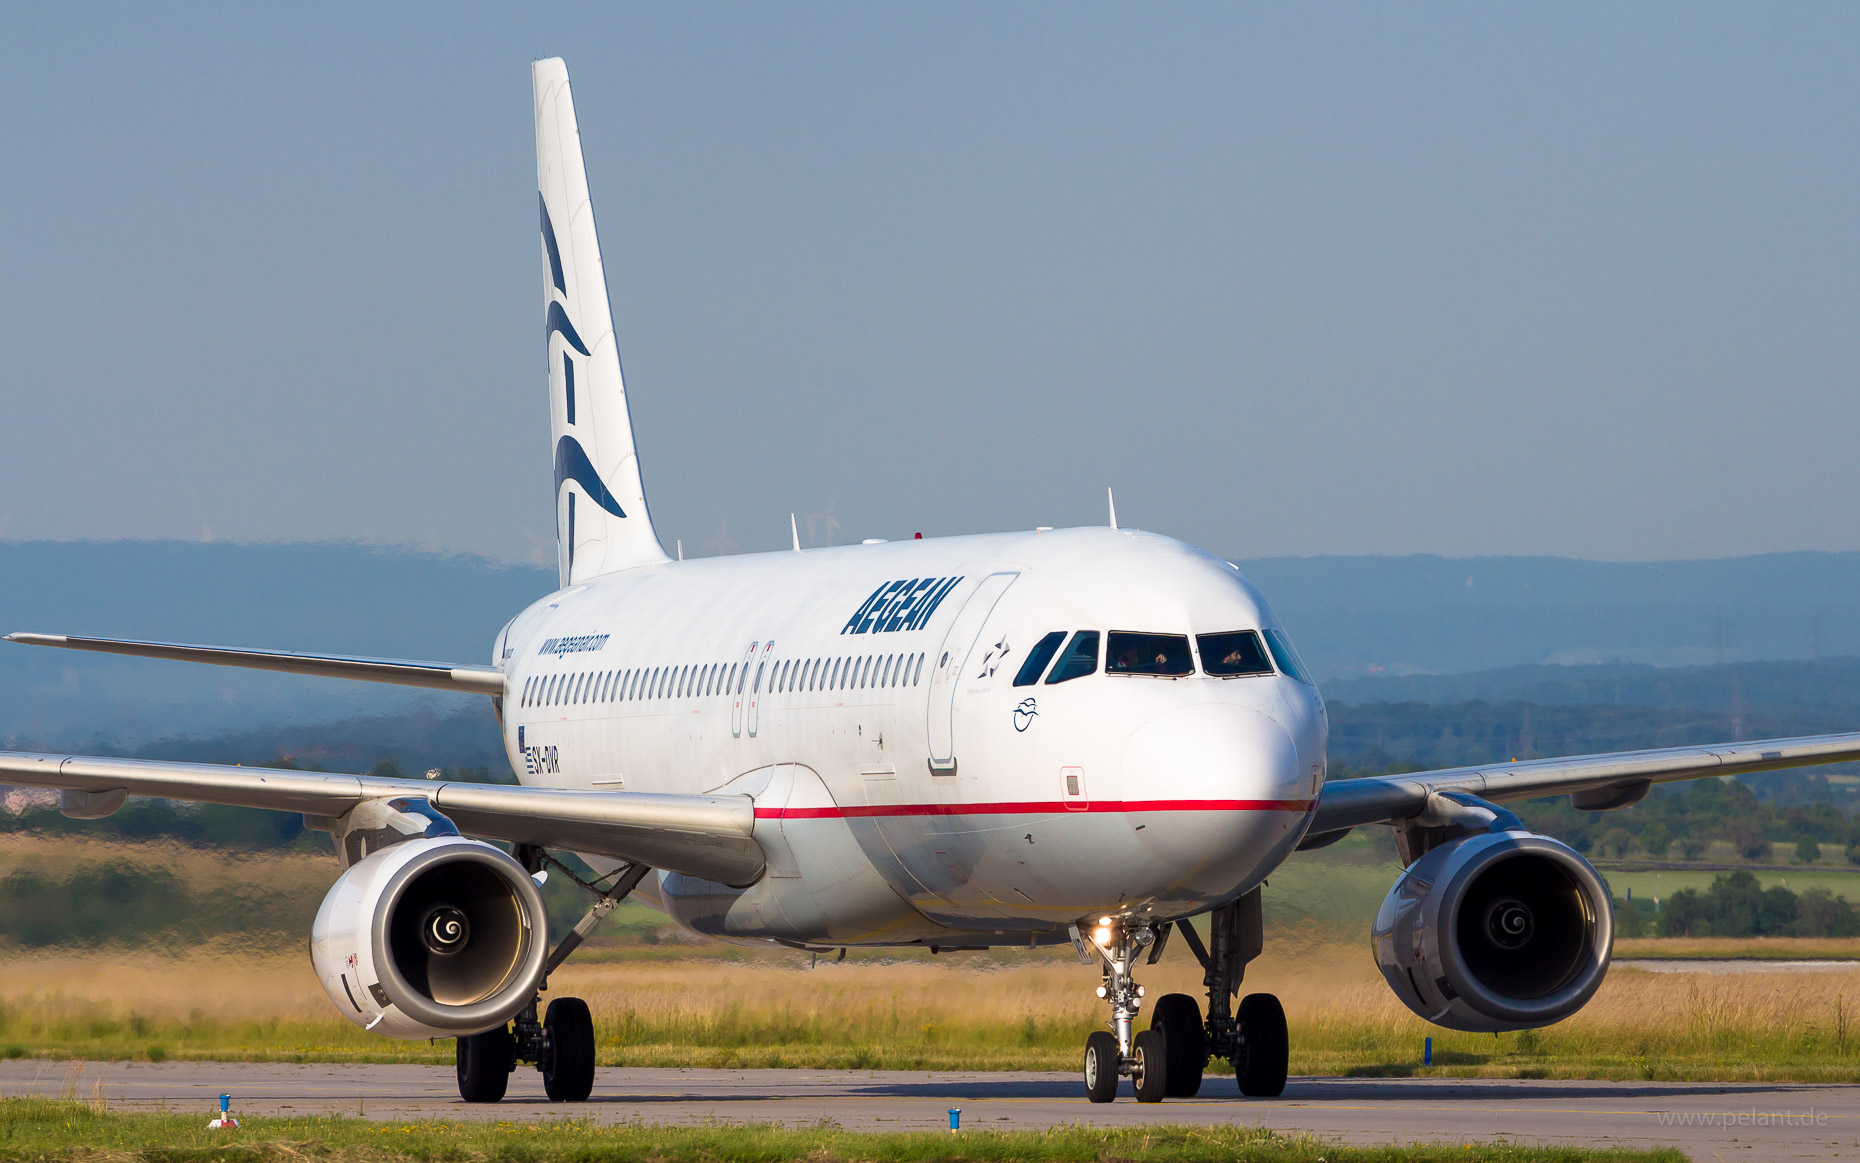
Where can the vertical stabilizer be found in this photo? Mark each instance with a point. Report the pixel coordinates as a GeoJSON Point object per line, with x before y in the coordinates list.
{"type": "Point", "coordinates": [600, 506]}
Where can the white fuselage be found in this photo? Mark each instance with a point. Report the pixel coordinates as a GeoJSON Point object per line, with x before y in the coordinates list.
{"type": "Point", "coordinates": [905, 789]}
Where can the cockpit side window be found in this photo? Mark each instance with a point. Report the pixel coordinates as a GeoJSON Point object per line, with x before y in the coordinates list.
{"type": "Point", "coordinates": [1233, 654]}
{"type": "Point", "coordinates": [1286, 657]}
{"type": "Point", "coordinates": [1159, 655]}
{"type": "Point", "coordinates": [1079, 660]}
{"type": "Point", "coordinates": [1037, 658]}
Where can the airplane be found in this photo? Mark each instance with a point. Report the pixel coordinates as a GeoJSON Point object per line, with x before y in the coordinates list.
{"type": "Point", "coordinates": [1056, 736]}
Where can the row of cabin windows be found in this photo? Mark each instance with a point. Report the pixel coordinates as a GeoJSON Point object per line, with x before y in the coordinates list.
{"type": "Point", "coordinates": [700, 681]}
{"type": "Point", "coordinates": [1235, 654]}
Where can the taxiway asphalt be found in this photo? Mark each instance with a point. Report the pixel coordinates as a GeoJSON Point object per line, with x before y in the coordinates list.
{"type": "Point", "coordinates": [1706, 1120]}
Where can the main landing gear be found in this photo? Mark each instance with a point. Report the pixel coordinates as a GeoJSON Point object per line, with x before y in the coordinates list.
{"type": "Point", "coordinates": [1167, 1060]}
{"type": "Point", "coordinates": [561, 1043]}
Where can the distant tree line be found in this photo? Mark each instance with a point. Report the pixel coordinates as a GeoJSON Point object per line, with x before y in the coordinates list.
{"type": "Point", "coordinates": [1735, 905]}
{"type": "Point", "coordinates": [1679, 821]}
{"type": "Point", "coordinates": [126, 900]}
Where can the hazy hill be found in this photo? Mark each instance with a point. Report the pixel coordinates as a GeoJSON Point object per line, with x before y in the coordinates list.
{"type": "Point", "coordinates": [1828, 686]}
{"type": "Point", "coordinates": [1401, 615]}
{"type": "Point", "coordinates": [295, 597]}
{"type": "Point", "coordinates": [1355, 618]}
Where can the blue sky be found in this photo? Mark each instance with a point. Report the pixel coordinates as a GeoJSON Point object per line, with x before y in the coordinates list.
{"type": "Point", "coordinates": [1569, 280]}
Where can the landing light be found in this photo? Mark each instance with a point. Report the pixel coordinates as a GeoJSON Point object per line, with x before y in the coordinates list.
{"type": "Point", "coordinates": [1101, 991]}
{"type": "Point", "coordinates": [1102, 936]}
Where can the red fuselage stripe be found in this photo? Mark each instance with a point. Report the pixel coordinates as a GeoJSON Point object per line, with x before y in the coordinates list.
{"type": "Point", "coordinates": [1045, 807]}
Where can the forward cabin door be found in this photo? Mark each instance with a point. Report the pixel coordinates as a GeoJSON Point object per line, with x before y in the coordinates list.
{"type": "Point", "coordinates": [738, 684]}
{"type": "Point", "coordinates": [755, 685]}
{"type": "Point", "coordinates": [949, 664]}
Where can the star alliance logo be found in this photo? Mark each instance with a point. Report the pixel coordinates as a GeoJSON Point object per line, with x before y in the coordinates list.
{"type": "Point", "coordinates": [991, 662]}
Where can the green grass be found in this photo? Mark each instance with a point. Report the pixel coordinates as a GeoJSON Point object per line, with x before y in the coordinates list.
{"type": "Point", "coordinates": [1662, 884]}
{"type": "Point", "coordinates": [51, 1130]}
{"type": "Point", "coordinates": [1818, 1045]}
{"type": "Point", "coordinates": [1737, 949]}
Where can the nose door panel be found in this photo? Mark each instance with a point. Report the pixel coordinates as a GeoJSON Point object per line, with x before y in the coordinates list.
{"type": "Point", "coordinates": [949, 663]}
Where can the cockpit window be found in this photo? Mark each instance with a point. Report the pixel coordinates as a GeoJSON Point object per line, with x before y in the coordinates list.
{"type": "Point", "coordinates": [1037, 658]}
{"type": "Point", "coordinates": [1236, 653]}
{"type": "Point", "coordinates": [1079, 660]}
{"type": "Point", "coordinates": [1162, 655]}
{"type": "Point", "coordinates": [1286, 657]}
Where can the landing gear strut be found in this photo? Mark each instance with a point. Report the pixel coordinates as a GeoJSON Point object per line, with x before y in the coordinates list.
{"type": "Point", "coordinates": [1253, 1037]}
{"type": "Point", "coordinates": [1121, 1053]}
{"type": "Point", "coordinates": [561, 1042]}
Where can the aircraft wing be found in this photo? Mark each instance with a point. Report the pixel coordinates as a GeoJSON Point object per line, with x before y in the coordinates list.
{"type": "Point", "coordinates": [483, 680]}
{"type": "Point", "coordinates": [703, 836]}
{"type": "Point", "coordinates": [1613, 779]}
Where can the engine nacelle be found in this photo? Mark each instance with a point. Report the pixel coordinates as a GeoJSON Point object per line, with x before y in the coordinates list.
{"type": "Point", "coordinates": [1497, 931]}
{"type": "Point", "coordinates": [431, 937]}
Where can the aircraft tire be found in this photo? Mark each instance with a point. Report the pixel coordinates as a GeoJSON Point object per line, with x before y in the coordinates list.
{"type": "Point", "coordinates": [1152, 1067]}
{"type": "Point", "coordinates": [484, 1062]}
{"type": "Point", "coordinates": [1178, 1017]}
{"type": "Point", "coordinates": [1260, 1067]}
{"type": "Point", "coordinates": [1101, 1067]}
{"type": "Point", "coordinates": [569, 1074]}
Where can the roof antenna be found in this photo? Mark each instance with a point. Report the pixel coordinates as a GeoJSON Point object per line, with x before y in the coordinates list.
{"type": "Point", "coordinates": [681, 549]}
{"type": "Point", "coordinates": [1112, 501]}
{"type": "Point", "coordinates": [796, 530]}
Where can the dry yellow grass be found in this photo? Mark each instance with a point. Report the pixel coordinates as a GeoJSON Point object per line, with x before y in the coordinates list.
{"type": "Point", "coordinates": [964, 1012]}
{"type": "Point", "coordinates": [702, 1004]}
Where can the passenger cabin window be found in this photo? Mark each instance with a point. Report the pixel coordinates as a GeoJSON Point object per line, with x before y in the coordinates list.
{"type": "Point", "coordinates": [1037, 658]}
{"type": "Point", "coordinates": [1079, 660]}
{"type": "Point", "coordinates": [1287, 658]}
{"type": "Point", "coordinates": [1156, 655]}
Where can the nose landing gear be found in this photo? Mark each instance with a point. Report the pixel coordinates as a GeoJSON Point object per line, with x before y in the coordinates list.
{"type": "Point", "coordinates": [1121, 1053]}
{"type": "Point", "coordinates": [1167, 1059]}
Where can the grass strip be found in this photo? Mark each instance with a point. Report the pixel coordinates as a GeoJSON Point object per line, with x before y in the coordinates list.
{"type": "Point", "coordinates": [1817, 1048]}
{"type": "Point", "coordinates": [43, 1130]}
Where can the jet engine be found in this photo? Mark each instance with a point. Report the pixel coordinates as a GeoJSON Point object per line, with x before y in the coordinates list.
{"type": "Point", "coordinates": [435, 936]}
{"type": "Point", "coordinates": [1501, 930]}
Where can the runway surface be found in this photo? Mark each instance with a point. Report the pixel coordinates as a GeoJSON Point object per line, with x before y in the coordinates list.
{"type": "Point", "coordinates": [1707, 1120]}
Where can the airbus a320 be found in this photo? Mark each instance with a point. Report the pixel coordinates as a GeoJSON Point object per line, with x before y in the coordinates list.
{"type": "Point", "coordinates": [1058, 736]}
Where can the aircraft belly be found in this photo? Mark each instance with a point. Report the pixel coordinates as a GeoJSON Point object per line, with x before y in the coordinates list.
{"type": "Point", "coordinates": [822, 887]}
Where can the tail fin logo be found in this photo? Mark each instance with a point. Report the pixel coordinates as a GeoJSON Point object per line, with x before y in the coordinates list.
{"type": "Point", "coordinates": [572, 464]}
{"type": "Point", "coordinates": [555, 252]}
{"type": "Point", "coordinates": [558, 314]}
{"type": "Point", "coordinates": [558, 321]}
{"type": "Point", "coordinates": [571, 460]}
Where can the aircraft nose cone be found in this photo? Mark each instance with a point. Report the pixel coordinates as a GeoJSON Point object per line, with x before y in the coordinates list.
{"type": "Point", "coordinates": [1214, 754]}
{"type": "Point", "coordinates": [1223, 797]}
